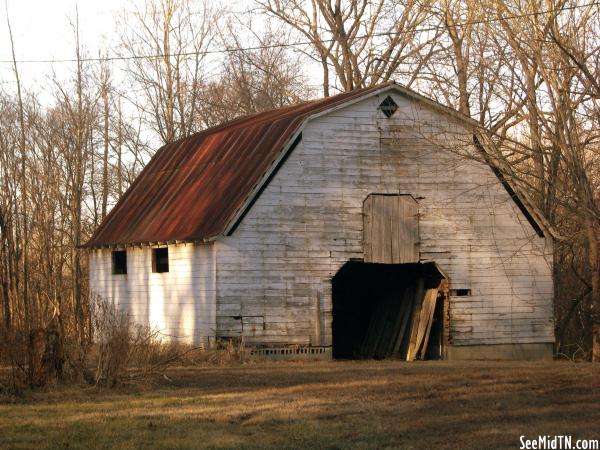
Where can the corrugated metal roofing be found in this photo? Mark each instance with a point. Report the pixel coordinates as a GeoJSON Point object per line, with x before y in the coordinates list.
{"type": "Point", "coordinates": [193, 187]}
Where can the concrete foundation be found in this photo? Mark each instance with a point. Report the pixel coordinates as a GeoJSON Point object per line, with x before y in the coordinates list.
{"type": "Point", "coordinates": [531, 352]}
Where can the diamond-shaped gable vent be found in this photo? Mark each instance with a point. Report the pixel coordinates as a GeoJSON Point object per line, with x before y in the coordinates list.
{"type": "Point", "coordinates": [388, 106]}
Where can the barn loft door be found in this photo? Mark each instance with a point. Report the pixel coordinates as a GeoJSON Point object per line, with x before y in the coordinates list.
{"type": "Point", "coordinates": [391, 229]}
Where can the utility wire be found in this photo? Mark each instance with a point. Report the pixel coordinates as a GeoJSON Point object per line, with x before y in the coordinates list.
{"type": "Point", "coordinates": [297, 44]}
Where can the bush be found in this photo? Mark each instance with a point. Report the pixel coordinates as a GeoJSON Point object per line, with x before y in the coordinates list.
{"type": "Point", "coordinates": [126, 352]}
{"type": "Point", "coordinates": [115, 352]}
{"type": "Point", "coordinates": [123, 350]}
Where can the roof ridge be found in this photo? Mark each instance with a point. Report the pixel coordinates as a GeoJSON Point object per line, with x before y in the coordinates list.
{"type": "Point", "coordinates": [264, 115]}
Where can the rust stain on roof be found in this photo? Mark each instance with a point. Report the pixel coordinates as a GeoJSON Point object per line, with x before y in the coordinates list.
{"type": "Point", "coordinates": [193, 187]}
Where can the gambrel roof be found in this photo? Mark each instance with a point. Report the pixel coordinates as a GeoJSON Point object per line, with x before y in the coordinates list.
{"type": "Point", "coordinates": [199, 187]}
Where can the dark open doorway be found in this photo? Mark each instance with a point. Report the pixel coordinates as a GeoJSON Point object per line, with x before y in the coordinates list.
{"type": "Point", "coordinates": [388, 310]}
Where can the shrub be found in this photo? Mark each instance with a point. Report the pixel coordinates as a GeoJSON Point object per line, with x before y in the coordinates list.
{"type": "Point", "coordinates": [116, 351]}
{"type": "Point", "coordinates": [121, 345]}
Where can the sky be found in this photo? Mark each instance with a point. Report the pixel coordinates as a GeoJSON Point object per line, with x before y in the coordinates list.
{"type": "Point", "coordinates": [42, 31]}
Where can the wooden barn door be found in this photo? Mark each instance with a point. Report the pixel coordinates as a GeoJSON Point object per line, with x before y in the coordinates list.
{"type": "Point", "coordinates": [391, 229]}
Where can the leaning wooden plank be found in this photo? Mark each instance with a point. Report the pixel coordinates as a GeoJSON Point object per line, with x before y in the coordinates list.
{"type": "Point", "coordinates": [373, 332]}
{"type": "Point", "coordinates": [393, 321]}
{"type": "Point", "coordinates": [404, 299]}
{"type": "Point", "coordinates": [423, 349]}
{"type": "Point", "coordinates": [384, 327]}
{"type": "Point", "coordinates": [424, 319]}
{"type": "Point", "coordinates": [379, 328]}
{"type": "Point", "coordinates": [414, 326]}
{"type": "Point", "coordinates": [425, 312]}
{"type": "Point", "coordinates": [419, 294]}
{"type": "Point", "coordinates": [366, 346]}
{"type": "Point", "coordinates": [408, 303]}
{"type": "Point", "coordinates": [390, 306]}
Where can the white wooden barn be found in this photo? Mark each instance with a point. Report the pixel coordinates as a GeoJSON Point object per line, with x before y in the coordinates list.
{"type": "Point", "coordinates": [289, 228]}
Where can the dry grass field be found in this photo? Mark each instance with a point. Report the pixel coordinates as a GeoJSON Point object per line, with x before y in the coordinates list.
{"type": "Point", "coordinates": [388, 404]}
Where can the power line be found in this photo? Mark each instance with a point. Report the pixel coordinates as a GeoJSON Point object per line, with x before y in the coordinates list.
{"type": "Point", "coordinates": [296, 44]}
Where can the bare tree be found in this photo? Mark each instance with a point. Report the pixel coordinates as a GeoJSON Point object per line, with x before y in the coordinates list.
{"type": "Point", "coordinates": [21, 243]}
{"type": "Point", "coordinates": [9, 223]}
{"type": "Point", "coordinates": [105, 89]}
{"type": "Point", "coordinates": [552, 50]}
{"type": "Point", "coordinates": [167, 41]}
{"type": "Point", "coordinates": [576, 43]}
{"type": "Point", "coordinates": [363, 42]}
{"type": "Point", "coordinates": [266, 76]}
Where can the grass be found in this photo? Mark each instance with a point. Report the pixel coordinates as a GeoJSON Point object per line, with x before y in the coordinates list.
{"type": "Point", "coordinates": [328, 404]}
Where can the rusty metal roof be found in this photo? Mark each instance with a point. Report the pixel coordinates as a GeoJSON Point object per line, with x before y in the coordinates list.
{"type": "Point", "coordinates": [193, 187]}
{"type": "Point", "coordinates": [198, 187]}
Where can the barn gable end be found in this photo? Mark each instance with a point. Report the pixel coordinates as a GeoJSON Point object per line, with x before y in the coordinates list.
{"type": "Point", "coordinates": [308, 222]}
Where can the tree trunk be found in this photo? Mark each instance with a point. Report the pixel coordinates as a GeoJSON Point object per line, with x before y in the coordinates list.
{"type": "Point", "coordinates": [79, 178]}
{"type": "Point", "coordinates": [105, 155]}
{"type": "Point", "coordinates": [169, 83]}
{"type": "Point", "coordinates": [461, 59]}
{"type": "Point", "coordinates": [23, 181]}
{"type": "Point", "coordinates": [119, 153]}
{"type": "Point", "coordinates": [325, 76]}
{"type": "Point", "coordinates": [534, 130]}
{"type": "Point", "coordinates": [4, 276]}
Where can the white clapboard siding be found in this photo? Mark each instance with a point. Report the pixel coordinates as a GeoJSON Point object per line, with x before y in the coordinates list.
{"type": "Point", "coordinates": [180, 303]}
{"type": "Point", "coordinates": [273, 276]}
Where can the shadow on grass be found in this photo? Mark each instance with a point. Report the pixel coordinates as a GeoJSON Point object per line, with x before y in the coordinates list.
{"type": "Point", "coordinates": [321, 405]}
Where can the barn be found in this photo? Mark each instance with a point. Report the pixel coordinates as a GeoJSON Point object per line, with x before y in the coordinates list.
{"type": "Point", "coordinates": [348, 227]}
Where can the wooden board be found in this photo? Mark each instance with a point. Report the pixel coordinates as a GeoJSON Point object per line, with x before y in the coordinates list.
{"type": "Point", "coordinates": [423, 349]}
{"type": "Point", "coordinates": [421, 323]}
{"type": "Point", "coordinates": [404, 316]}
{"type": "Point", "coordinates": [391, 229]}
{"type": "Point", "coordinates": [403, 338]}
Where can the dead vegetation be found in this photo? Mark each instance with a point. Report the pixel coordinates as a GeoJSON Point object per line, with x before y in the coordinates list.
{"type": "Point", "coordinates": [387, 404]}
{"type": "Point", "coordinates": [118, 352]}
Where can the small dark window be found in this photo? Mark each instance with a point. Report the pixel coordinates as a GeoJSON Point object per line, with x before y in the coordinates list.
{"type": "Point", "coordinates": [119, 262]}
{"type": "Point", "coordinates": [460, 292]}
{"type": "Point", "coordinates": [388, 106]}
{"type": "Point", "coordinates": [160, 260]}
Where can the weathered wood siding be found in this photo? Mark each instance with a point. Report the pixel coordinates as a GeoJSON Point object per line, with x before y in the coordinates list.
{"type": "Point", "coordinates": [179, 303]}
{"type": "Point", "coordinates": [391, 229]}
{"type": "Point", "coordinates": [273, 274]}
